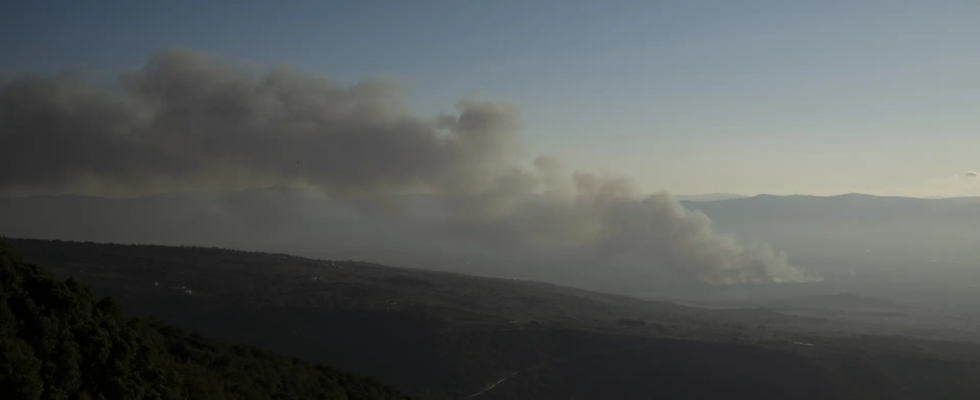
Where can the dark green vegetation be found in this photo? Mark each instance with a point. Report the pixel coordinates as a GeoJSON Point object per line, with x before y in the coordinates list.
{"type": "Point", "coordinates": [449, 336]}
{"type": "Point", "coordinates": [58, 342]}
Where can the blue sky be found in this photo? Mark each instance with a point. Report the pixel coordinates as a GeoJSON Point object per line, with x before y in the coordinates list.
{"type": "Point", "coordinates": [690, 96]}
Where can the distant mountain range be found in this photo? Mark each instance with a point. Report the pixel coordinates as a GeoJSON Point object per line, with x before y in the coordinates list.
{"type": "Point", "coordinates": [896, 238]}
{"type": "Point", "coordinates": [843, 208]}
{"type": "Point", "coordinates": [709, 197]}
{"type": "Point", "coordinates": [730, 196]}
{"type": "Point", "coordinates": [835, 235]}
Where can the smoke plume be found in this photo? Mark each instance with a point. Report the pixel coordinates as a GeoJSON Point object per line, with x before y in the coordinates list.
{"type": "Point", "coordinates": [188, 121]}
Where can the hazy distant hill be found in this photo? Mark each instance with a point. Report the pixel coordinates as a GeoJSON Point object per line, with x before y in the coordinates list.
{"type": "Point", "coordinates": [248, 219]}
{"type": "Point", "coordinates": [847, 207]}
{"type": "Point", "coordinates": [856, 232]}
{"type": "Point", "coordinates": [709, 197]}
{"type": "Point", "coordinates": [840, 301]}
{"type": "Point", "coordinates": [903, 238]}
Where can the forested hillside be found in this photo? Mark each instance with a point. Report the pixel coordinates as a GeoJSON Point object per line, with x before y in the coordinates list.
{"type": "Point", "coordinates": [58, 342]}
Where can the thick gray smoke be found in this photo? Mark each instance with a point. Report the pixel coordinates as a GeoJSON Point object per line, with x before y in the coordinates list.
{"type": "Point", "coordinates": [559, 217]}
{"type": "Point", "coordinates": [188, 121]}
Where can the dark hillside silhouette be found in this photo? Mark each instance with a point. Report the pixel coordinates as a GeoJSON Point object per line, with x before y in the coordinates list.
{"type": "Point", "coordinates": [58, 342]}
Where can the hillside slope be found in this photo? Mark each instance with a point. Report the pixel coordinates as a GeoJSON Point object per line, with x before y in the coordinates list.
{"type": "Point", "coordinates": [58, 342]}
{"type": "Point", "coordinates": [450, 336]}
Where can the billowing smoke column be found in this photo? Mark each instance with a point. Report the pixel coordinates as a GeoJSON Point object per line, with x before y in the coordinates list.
{"type": "Point", "coordinates": [189, 121]}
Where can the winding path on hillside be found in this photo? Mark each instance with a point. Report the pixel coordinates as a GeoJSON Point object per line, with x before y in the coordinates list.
{"type": "Point", "coordinates": [552, 361]}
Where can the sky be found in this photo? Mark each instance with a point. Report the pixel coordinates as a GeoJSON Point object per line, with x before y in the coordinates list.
{"type": "Point", "coordinates": [781, 97]}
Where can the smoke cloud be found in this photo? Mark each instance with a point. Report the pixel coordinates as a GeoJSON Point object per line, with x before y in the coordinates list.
{"type": "Point", "coordinates": [188, 121]}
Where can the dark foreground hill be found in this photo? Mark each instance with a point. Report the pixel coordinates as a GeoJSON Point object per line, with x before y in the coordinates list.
{"type": "Point", "coordinates": [451, 336]}
{"type": "Point", "coordinates": [58, 342]}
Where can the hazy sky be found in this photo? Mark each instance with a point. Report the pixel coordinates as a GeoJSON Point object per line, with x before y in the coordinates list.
{"type": "Point", "coordinates": [782, 97]}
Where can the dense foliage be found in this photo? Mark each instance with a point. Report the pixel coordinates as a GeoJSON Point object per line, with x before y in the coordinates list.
{"type": "Point", "coordinates": [58, 342]}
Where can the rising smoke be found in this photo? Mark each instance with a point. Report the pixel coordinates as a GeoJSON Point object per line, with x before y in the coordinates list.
{"type": "Point", "coordinates": [188, 121]}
